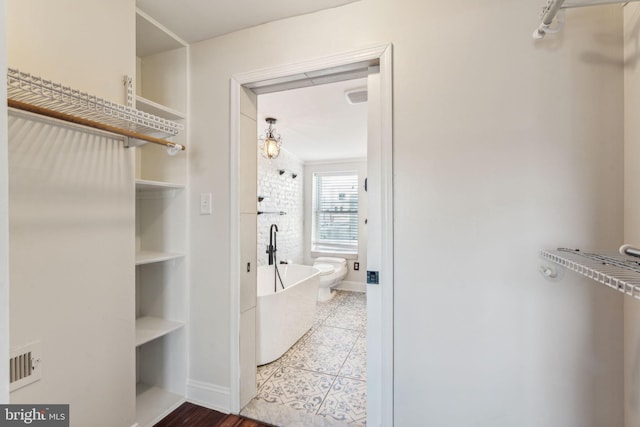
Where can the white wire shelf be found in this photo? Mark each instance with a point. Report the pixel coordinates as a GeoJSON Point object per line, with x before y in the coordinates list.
{"type": "Point", "coordinates": [34, 90]}
{"type": "Point", "coordinates": [611, 269]}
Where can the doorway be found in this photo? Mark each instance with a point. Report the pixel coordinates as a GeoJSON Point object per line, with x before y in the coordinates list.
{"type": "Point", "coordinates": [380, 220]}
{"type": "Point", "coordinates": [312, 211]}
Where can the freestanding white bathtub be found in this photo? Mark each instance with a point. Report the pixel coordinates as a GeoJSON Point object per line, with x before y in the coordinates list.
{"type": "Point", "coordinates": [285, 316]}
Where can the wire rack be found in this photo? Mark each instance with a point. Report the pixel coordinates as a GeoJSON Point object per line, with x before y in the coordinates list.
{"type": "Point", "coordinates": [43, 93]}
{"type": "Point", "coordinates": [616, 271]}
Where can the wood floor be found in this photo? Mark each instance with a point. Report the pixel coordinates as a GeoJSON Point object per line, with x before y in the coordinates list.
{"type": "Point", "coordinates": [192, 415]}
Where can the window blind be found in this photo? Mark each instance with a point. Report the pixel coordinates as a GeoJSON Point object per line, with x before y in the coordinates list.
{"type": "Point", "coordinates": [336, 212]}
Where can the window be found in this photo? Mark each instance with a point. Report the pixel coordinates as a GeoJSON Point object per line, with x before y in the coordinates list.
{"type": "Point", "coordinates": [335, 212]}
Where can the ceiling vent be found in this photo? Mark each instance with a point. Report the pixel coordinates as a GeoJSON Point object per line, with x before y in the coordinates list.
{"type": "Point", "coordinates": [356, 96]}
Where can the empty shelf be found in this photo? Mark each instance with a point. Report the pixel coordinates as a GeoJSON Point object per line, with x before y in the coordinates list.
{"type": "Point", "coordinates": [144, 185]}
{"type": "Point", "coordinates": [152, 38]}
{"type": "Point", "coordinates": [150, 328]}
{"type": "Point", "coordinates": [149, 257]}
{"type": "Point", "coordinates": [154, 403]}
{"type": "Point", "coordinates": [609, 268]}
{"type": "Point", "coordinates": [148, 106]}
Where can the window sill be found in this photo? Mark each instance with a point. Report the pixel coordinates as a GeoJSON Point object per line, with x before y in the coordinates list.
{"type": "Point", "coordinates": [345, 255]}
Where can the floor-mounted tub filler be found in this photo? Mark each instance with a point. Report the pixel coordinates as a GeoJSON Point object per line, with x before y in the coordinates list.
{"type": "Point", "coordinates": [284, 316]}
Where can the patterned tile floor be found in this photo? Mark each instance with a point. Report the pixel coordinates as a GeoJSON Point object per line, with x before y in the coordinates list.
{"type": "Point", "coordinates": [324, 373]}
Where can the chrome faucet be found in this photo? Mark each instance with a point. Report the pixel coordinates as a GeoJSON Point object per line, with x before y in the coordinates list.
{"type": "Point", "coordinates": [273, 246]}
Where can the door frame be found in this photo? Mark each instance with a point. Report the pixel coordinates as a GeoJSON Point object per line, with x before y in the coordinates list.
{"type": "Point", "coordinates": [380, 332]}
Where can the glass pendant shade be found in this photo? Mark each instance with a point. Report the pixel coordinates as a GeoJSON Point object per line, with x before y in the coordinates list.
{"type": "Point", "coordinates": [271, 148]}
{"type": "Point", "coordinates": [270, 143]}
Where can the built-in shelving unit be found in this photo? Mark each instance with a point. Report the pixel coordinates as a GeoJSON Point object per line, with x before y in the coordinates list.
{"type": "Point", "coordinates": [161, 295]}
{"type": "Point", "coordinates": [611, 269]}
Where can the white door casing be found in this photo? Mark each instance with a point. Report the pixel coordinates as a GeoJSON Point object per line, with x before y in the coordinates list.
{"type": "Point", "coordinates": [380, 212]}
{"type": "Point", "coordinates": [248, 190]}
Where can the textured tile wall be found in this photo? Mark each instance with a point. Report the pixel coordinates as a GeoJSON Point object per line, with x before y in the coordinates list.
{"type": "Point", "coordinates": [281, 193]}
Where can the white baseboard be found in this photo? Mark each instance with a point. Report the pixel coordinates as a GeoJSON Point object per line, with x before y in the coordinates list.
{"type": "Point", "coordinates": [352, 286]}
{"type": "Point", "coordinates": [210, 396]}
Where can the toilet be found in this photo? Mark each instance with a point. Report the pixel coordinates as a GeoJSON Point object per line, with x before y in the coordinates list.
{"type": "Point", "coordinates": [332, 271]}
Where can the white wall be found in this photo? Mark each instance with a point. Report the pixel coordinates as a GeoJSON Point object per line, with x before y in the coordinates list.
{"type": "Point", "coordinates": [72, 214]}
{"type": "Point", "coordinates": [502, 147]}
{"type": "Point", "coordinates": [4, 215]}
{"type": "Point", "coordinates": [281, 193]}
{"type": "Point", "coordinates": [632, 207]}
{"type": "Point", "coordinates": [88, 45]}
{"type": "Point", "coordinates": [311, 168]}
{"type": "Point", "coordinates": [72, 276]}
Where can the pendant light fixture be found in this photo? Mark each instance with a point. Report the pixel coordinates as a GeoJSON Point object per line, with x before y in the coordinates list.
{"type": "Point", "coordinates": [270, 143]}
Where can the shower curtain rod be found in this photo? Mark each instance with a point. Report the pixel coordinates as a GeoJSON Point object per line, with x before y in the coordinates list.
{"type": "Point", "coordinates": [89, 123]}
{"type": "Point", "coordinates": [551, 11]}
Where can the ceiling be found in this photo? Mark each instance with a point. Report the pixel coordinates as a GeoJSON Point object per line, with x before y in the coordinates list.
{"type": "Point", "coordinates": [317, 123]}
{"type": "Point", "coordinates": [196, 20]}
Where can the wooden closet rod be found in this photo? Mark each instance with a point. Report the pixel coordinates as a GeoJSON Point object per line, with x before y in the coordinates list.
{"type": "Point", "coordinates": [89, 123]}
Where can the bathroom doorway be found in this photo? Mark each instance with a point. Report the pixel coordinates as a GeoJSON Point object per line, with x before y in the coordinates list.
{"type": "Point", "coordinates": [312, 211]}
{"type": "Point", "coordinates": [376, 62]}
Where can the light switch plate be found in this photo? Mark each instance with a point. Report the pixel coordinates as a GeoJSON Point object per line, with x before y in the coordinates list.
{"type": "Point", "coordinates": [205, 204]}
